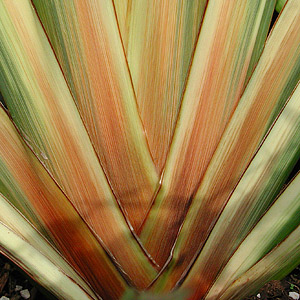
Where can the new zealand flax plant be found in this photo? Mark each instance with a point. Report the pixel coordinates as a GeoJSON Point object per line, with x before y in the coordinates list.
{"type": "Point", "coordinates": [145, 146]}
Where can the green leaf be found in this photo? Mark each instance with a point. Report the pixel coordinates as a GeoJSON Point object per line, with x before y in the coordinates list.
{"type": "Point", "coordinates": [286, 255]}
{"type": "Point", "coordinates": [279, 221]}
{"type": "Point", "coordinates": [43, 109]}
{"type": "Point", "coordinates": [39, 266]}
{"type": "Point", "coordinates": [280, 4]}
{"type": "Point", "coordinates": [96, 70]}
{"type": "Point", "coordinates": [159, 40]}
{"type": "Point", "coordinates": [215, 84]}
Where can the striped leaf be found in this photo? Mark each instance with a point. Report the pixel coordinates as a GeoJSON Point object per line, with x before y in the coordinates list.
{"type": "Point", "coordinates": [280, 220]}
{"type": "Point", "coordinates": [39, 266]}
{"type": "Point", "coordinates": [286, 255]}
{"type": "Point", "coordinates": [71, 235]}
{"type": "Point", "coordinates": [159, 39]}
{"type": "Point", "coordinates": [255, 192]}
{"type": "Point", "coordinates": [14, 221]}
{"type": "Point", "coordinates": [42, 107]}
{"type": "Point", "coordinates": [95, 67]}
{"type": "Point", "coordinates": [162, 126]}
{"type": "Point", "coordinates": [262, 99]}
{"type": "Point", "coordinates": [224, 50]}
{"type": "Point", "coordinates": [63, 223]}
{"type": "Point", "coordinates": [260, 38]}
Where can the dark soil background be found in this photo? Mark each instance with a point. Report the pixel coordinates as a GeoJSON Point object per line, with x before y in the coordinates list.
{"type": "Point", "coordinates": [11, 277]}
{"type": "Point", "coordinates": [14, 283]}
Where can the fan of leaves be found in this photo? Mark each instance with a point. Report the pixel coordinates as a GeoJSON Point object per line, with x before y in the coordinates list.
{"type": "Point", "coordinates": [144, 145]}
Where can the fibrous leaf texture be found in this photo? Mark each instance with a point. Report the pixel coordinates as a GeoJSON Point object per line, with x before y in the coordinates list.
{"type": "Point", "coordinates": [147, 147]}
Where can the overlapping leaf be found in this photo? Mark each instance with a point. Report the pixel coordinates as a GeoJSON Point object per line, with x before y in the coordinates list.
{"type": "Point", "coordinates": [253, 195]}
{"type": "Point", "coordinates": [217, 77]}
{"type": "Point", "coordinates": [62, 222]}
{"type": "Point", "coordinates": [259, 105]}
{"type": "Point", "coordinates": [14, 221]}
{"type": "Point", "coordinates": [281, 220]}
{"type": "Point", "coordinates": [285, 255]}
{"type": "Point", "coordinates": [76, 172]}
{"type": "Point", "coordinates": [42, 107]}
{"type": "Point", "coordinates": [38, 266]}
{"type": "Point", "coordinates": [88, 45]}
{"type": "Point", "coordinates": [159, 40]}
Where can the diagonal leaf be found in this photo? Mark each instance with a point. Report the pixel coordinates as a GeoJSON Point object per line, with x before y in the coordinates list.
{"type": "Point", "coordinates": [10, 189]}
{"type": "Point", "coordinates": [279, 221]}
{"type": "Point", "coordinates": [71, 235]}
{"type": "Point", "coordinates": [39, 266]}
{"type": "Point", "coordinates": [159, 38]}
{"type": "Point", "coordinates": [224, 50]}
{"type": "Point", "coordinates": [255, 192]}
{"type": "Point", "coordinates": [87, 43]}
{"type": "Point", "coordinates": [123, 12]}
{"type": "Point", "coordinates": [286, 255]}
{"type": "Point", "coordinates": [261, 38]}
{"type": "Point", "coordinates": [44, 112]}
{"type": "Point", "coordinates": [64, 224]}
{"type": "Point", "coordinates": [11, 218]}
{"type": "Point", "coordinates": [280, 4]}
{"type": "Point", "coordinates": [259, 105]}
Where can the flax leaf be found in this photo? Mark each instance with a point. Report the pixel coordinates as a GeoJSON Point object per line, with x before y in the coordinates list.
{"type": "Point", "coordinates": [255, 192]}
{"type": "Point", "coordinates": [286, 255]}
{"type": "Point", "coordinates": [42, 107]}
{"type": "Point", "coordinates": [260, 103]}
{"type": "Point", "coordinates": [160, 38]}
{"type": "Point", "coordinates": [278, 222]}
{"type": "Point", "coordinates": [11, 218]}
{"type": "Point", "coordinates": [39, 267]}
{"type": "Point", "coordinates": [87, 42]}
{"type": "Point", "coordinates": [215, 84]}
{"type": "Point", "coordinates": [71, 235]}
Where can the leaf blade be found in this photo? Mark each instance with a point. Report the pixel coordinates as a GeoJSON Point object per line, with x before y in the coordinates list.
{"type": "Point", "coordinates": [286, 254]}
{"type": "Point", "coordinates": [11, 218]}
{"type": "Point", "coordinates": [160, 39]}
{"type": "Point", "coordinates": [43, 109]}
{"type": "Point", "coordinates": [281, 219]}
{"type": "Point", "coordinates": [257, 189]}
{"type": "Point", "coordinates": [258, 107]}
{"type": "Point", "coordinates": [86, 40]}
{"type": "Point", "coordinates": [57, 215]}
{"type": "Point", "coordinates": [38, 266]}
{"type": "Point", "coordinates": [224, 51]}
